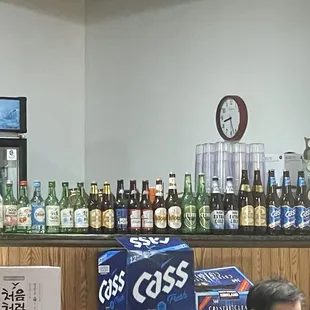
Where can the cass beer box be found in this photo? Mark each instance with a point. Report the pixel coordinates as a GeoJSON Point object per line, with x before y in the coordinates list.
{"type": "Point", "coordinates": [30, 288]}
{"type": "Point", "coordinates": [221, 289]}
{"type": "Point", "coordinates": [148, 273]}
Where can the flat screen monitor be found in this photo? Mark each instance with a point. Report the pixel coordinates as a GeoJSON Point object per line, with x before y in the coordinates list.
{"type": "Point", "coordinates": [13, 114]}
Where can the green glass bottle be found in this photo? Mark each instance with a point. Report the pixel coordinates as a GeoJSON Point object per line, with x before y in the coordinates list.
{"type": "Point", "coordinates": [52, 210]}
{"type": "Point", "coordinates": [188, 206]}
{"type": "Point", "coordinates": [203, 206]}
{"type": "Point", "coordinates": [66, 211]}
{"type": "Point", "coordinates": [23, 210]}
{"type": "Point", "coordinates": [10, 209]}
{"type": "Point", "coordinates": [81, 212]}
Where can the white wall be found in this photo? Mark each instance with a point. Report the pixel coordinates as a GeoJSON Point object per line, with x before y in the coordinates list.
{"type": "Point", "coordinates": [156, 70]}
{"type": "Point", "coordinates": [42, 57]}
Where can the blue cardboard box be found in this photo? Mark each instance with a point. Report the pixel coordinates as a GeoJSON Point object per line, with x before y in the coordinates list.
{"type": "Point", "coordinates": [221, 289]}
{"type": "Point", "coordinates": [148, 273]}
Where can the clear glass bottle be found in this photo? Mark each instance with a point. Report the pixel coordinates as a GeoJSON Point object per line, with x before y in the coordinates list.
{"type": "Point", "coordinates": [10, 209]}
{"type": "Point", "coordinates": [23, 209]}
{"type": "Point", "coordinates": [66, 211]}
{"type": "Point", "coordinates": [37, 210]}
{"type": "Point", "coordinates": [81, 212]}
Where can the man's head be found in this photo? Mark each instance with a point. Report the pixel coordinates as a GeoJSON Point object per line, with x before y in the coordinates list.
{"type": "Point", "coordinates": [274, 295]}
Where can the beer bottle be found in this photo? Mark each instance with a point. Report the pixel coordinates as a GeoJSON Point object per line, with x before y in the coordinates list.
{"type": "Point", "coordinates": [100, 195]}
{"type": "Point", "coordinates": [173, 207]}
{"type": "Point", "coordinates": [273, 204]}
{"type": "Point", "coordinates": [108, 219]}
{"type": "Point", "coordinates": [23, 210]}
{"type": "Point", "coordinates": [160, 212]}
{"type": "Point", "coordinates": [10, 209]}
{"type": "Point", "coordinates": [146, 210]}
{"type": "Point", "coordinates": [94, 210]}
{"type": "Point", "coordinates": [245, 204]}
{"type": "Point", "coordinates": [66, 211]}
{"type": "Point", "coordinates": [259, 204]}
{"type": "Point", "coordinates": [188, 207]}
{"type": "Point", "coordinates": [230, 208]}
{"type": "Point", "coordinates": [134, 210]}
{"type": "Point", "coordinates": [52, 210]}
{"type": "Point", "coordinates": [203, 206]}
{"type": "Point", "coordinates": [217, 210]}
{"type": "Point", "coordinates": [302, 207]}
{"type": "Point", "coordinates": [81, 212]}
{"type": "Point", "coordinates": [287, 205]}
{"type": "Point", "coordinates": [121, 211]}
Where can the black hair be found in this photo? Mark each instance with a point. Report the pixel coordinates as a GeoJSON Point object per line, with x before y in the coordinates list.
{"type": "Point", "coordinates": [265, 294]}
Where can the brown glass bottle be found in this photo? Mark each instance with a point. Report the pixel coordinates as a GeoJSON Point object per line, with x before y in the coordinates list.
{"type": "Point", "coordinates": [245, 204]}
{"type": "Point", "coordinates": [173, 207]}
{"type": "Point", "coordinates": [94, 210]}
{"type": "Point", "coordinates": [302, 205]}
{"type": "Point", "coordinates": [134, 211]}
{"type": "Point", "coordinates": [146, 210]}
{"type": "Point", "coordinates": [108, 219]}
{"type": "Point", "coordinates": [259, 204]}
{"type": "Point", "coordinates": [160, 211]}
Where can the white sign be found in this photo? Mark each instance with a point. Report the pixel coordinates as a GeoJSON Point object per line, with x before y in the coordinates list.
{"type": "Point", "coordinates": [11, 154]}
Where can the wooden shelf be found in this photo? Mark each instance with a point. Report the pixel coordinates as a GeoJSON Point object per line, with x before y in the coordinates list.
{"type": "Point", "coordinates": [195, 241]}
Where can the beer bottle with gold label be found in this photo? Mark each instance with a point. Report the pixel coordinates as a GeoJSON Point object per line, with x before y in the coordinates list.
{"type": "Point", "coordinates": [173, 207]}
{"type": "Point", "coordinates": [94, 210]}
{"type": "Point", "coordinates": [146, 210]}
{"type": "Point", "coordinates": [216, 208]}
{"type": "Point", "coordinates": [188, 206]}
{"type": "Point", "coordinates": [134, 223]}
{"type": "Point", "coordinates": [245, 204]}
{"type": "Point", "coordinates": [108, 220]}
{"type": "Point", "coordinates": [160, 211]}
{"type": "Point", "coordinates": [259, 204]}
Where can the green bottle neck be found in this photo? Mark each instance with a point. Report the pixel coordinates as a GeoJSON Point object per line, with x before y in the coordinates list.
{"type": "Point", "coordinates": [23, 191]}
{"type": "Point", "coordinates": [52, 192]}
{"type": "Point", "coordinates": [65, 192]}
{"type": "Point", "coordinates": [9, 191]}
{"type": "Point", "coordinates": [201, 187]}
{"type": "Point", "coordinates": [188, 185]}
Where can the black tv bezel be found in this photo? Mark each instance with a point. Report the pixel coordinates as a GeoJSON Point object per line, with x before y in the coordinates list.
{"type": "Point", "coordinates": [22, 116]}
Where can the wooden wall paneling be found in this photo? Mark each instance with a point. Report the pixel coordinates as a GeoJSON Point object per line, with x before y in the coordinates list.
{"type": "Point", "coordinates": [25, 255]}
{"type": "Point", "coordinates": [81, 272]}
{"type": "Point", "coordinates": [14, 256]}
{"type": "Point", "coordinates": [36, 256]}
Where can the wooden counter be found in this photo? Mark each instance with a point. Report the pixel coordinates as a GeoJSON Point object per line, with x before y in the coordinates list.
{"type": "Point", "coordinates": [259, 257]}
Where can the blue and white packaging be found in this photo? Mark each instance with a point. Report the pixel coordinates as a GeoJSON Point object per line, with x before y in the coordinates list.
{"type": "Point", "coordinates": [155, 273]}
{"type": "Point", "coordinates": [221, 288]}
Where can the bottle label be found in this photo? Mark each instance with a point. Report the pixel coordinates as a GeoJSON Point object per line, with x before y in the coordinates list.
{"type": "Point", "coordinates": [37, 215]}
{"type": "Point", "coordinates": [10, 215]}
{"type": "Point", "coordinates": [24, 216]}
{"type": "Point", "coordinates": [108, 220]}
{"type": "Point", "coordinates": [160, 217]}
{"type": "Point", "coordinates": [81, 218]}
{"type": "Point", "coordinates": [260, 216]}
{"type": "Point", "coordinates": [204, 217]}
{"type": "Point", "coordinates": [1, 215]}
{"type": "Point", "coordinates": [135, 218]}
{"type": "Point", "coordinates": [174, 217]}
{"type": "Point", "coordinates": [302, 217]}
{"type": "Point", "coordinates": [229, 188]}
{"type": "Point", "coordinates": [247, 216]}
{"type": "Point", "coordinates": [147, 219]}
{"type": "Point", "coordinates": [52, 216]}
{"type": "Point", "coordinates": [66, 218]}
{"type": "Point", "coordinates": [159, 190]}
{"type": "Point", "coordinates": [258, 189]}
{"type": "Point", "coordinates": [274, 217]}
{"type": "Point", "coordinates": [172, 183]}
{"type": "Point", "coordinates": [287, 181]}
{"type": "Point", "coordinates": [95, 218]}
{"type": "Point", "coordinates": [301, 182]}
{"type": "Point", "coordinates": [189, 216]}
{"type": "Point", "coordinates": [245, 188]}
{"type": "Point", "coordinates": [272, 181]}
{"type": "Point", "coordinates": [288, 217]}
{"type": "Point", "coordinates": [121, 218]}
{"type": "Point", "coordinates": [217, 219]}
{"type": "Point", "coordinates": [232, 219]}
{"type": "Point", "coordinates": [215, 189]}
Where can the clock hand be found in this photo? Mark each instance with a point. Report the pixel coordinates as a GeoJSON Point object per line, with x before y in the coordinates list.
{"type": "Point", "coordinates": [228, 119]}
{"type": "Point", "coordinates": [231, 124]}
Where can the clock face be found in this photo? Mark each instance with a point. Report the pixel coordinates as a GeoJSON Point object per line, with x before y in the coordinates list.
{"type": "Point", "coordinates": [229, 117]}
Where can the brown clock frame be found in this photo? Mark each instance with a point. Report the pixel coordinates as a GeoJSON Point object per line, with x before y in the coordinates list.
{"type": "Point", "coordinates": [243, 118]}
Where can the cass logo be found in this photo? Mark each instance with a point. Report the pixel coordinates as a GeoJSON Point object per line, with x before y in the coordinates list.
{"type": "Point", "coordinates": [290, 214]}
{"type": "Point", "coordinates": [144, 241]}
{"type": "Point", "coordinates": [158, 282]}
{"type": "Point", "coordinates": [275, 213]}
{"type": "Point", "coordinates": [109, 288]}
{"type": "Point", "coordinates": [305, 214]}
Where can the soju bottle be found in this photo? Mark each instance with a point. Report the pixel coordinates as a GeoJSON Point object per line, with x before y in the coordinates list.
{"type": "Point", "coordinates": [1, 214]}
{"type": "Point", "coordinates": [203, 206]}
{"type": "Point", "coordinates": [52, 210]}
{"type": "Point", "coordinates": [10, 209]}
{"type": "Point", "coordinates": [37, 210]}
{"type": "Point", "coordinates": [81, 212]}
{"type": "Point", "coordinates": [66, 211]}
{"type": "Point", "coordinates": [188, 207]}
{"type": "Point", "coordinates": [23, 210]}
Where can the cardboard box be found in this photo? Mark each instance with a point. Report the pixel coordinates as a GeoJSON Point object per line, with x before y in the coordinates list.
{"type": "Point", "coordinates": [30, 288]}
{"type": "Point", "coordinates": [221, 288]}
{"type": "Point", "coordinates": [149, 273]}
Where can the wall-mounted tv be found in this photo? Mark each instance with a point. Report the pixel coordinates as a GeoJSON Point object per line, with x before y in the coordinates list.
{"type": "Point", "coordinates": [13, 116]}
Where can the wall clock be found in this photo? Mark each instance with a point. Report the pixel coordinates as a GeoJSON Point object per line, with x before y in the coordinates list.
{"type": "Point", "coordinates": [231, 118]}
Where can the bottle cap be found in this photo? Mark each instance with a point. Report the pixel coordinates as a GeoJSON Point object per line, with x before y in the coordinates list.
{"type": "Point", "coordinates": [23, 183]}
{"type": "Point", "coordinates": [9, 182]}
